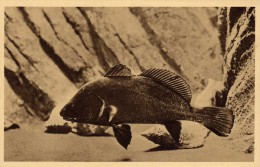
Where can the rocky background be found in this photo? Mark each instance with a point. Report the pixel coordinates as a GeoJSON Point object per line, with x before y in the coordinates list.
{"type": "Point", "coordinates": [238, 42]}
{"type": "Point", "coordinates": [50, 52]}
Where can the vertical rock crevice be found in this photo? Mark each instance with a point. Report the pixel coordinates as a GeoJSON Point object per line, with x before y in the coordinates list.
{"type": "Point", "coordinates": [131, 52]}
{"type": "Point", "coordinates": [222, 28]}
{"type": "Point", "coordinates": [36, 102]}
{"type": "Point", "coordinates": [106, 56]}
{"type": "Point", "coordinates": [31, 94]}
{"type": "Point", "coordinates": [74, 76]}
{"type": "Point", "coordinates": [30, 61]}
{"type": "Point", "coordinates": [74, 26]}
{"type": "Point", "coordinates": [154, 41]}
{"type": "Point", "coordinates": [234, 15]}
{"type": "Point", "coordinates": [32, 77]}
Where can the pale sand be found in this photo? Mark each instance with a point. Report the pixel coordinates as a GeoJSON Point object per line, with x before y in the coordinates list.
{"type": "Point", "coordinates": [33, 145]}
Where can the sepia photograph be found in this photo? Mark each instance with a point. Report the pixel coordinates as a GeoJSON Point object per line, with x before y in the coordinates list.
{"type": "Point", "coordinates": [129, 84]}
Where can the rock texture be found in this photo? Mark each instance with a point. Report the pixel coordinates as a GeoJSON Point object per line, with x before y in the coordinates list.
{"type": "Point", "coordinates": [189, 137]}
{"type": "Point", "coordinates": [52, 51]}
{"type": "Point", "coordinates": [236, 92]}
{"type": "Point", "coordinates": [176, 32]}
{"type": "Point", "coordinates": [239, 91]}
{"type": "Point", "coordinates": [8, 125]}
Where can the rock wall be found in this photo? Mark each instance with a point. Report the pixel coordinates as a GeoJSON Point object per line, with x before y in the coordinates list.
{"type": "Point", "coordinates": [52, 51]}
{"type": "Point", "coordinates": [239, 94]}
{"type": "Point", "coordinates": [236, 92]}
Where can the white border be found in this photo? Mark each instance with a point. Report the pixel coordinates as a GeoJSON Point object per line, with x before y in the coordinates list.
{"type": "Point", "coordinates": [132, 3]}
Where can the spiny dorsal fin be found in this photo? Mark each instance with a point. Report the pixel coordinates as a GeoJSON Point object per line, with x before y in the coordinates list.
{"type": "Point", "coordinates": [118, 71]}
{"type": "Point", "coordinates": [171, 80]}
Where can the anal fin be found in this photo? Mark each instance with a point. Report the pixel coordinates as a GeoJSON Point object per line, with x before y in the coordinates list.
{"type": "Point", "coordinates": [174, 128]}
{"type": "Point", "coordinates": [123, 134]}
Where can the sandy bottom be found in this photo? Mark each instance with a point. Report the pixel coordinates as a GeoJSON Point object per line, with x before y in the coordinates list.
{"type": "Point", "coordinates": [34, 145]}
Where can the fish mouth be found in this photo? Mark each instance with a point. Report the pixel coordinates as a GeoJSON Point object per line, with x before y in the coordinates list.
{"type": "Point", "coordinates": [69, 119]}
{"type": "Point", "coordinates": [79, 120]}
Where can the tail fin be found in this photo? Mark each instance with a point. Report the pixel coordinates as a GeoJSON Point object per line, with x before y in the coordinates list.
{"type": "Point", "coordinates": [218, 120]}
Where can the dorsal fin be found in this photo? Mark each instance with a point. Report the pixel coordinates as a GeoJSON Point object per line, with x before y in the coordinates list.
{"type": "Point", "coordinates": [171, 80]}
{"type": "Point", "coordinates": [118, 71]}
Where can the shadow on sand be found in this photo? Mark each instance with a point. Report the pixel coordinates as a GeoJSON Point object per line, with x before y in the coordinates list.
{"type": "Point", "coordinates": [161, 148]}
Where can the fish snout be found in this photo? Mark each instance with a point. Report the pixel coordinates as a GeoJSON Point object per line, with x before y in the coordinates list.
{"type": "Point", "coordinates": [63, 113]}
{"type": "Point", "coordinates": [66, 113]}
{"type": "Point", "coordinates": [68, 119]}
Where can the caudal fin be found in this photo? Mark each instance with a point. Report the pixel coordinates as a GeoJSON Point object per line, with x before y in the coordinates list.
{"type": "Point", "coordinates": [218, 120]}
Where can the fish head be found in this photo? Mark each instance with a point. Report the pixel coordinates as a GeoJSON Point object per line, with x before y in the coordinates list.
{"type": "Point", "coordinates": [84, 107]}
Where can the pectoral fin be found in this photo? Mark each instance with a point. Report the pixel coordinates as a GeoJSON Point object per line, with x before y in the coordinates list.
{"type": "Point", "coordinates": [112, 112]}
{"type": "Point", "coordinates": [174, 128]}
{"type": "Point", "coordinates": [106, 112]}
{"type": "Point", "coordinates": [123, 134]}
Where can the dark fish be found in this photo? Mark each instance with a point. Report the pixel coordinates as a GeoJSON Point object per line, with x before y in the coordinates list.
{"type": "Point", "coordinates": [156, 96]}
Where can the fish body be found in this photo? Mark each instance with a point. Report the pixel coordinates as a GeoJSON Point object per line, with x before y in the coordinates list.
{"type": "Point", "coordinates": [137, 99]}
{"type": "Point", "coordinates": [156, 97]}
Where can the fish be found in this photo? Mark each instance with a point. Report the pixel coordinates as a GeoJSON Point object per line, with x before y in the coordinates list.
{"type": "Point", "coordinates": [156, 96]}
